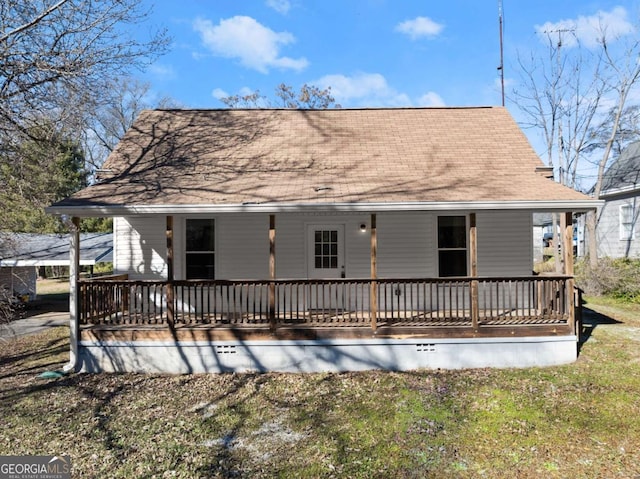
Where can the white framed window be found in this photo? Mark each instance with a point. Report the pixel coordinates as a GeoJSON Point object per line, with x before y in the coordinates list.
{"type": "Point", "coordinates": [452, 246]}
{"type": "Point", "coordinates": [200, 251]}
{"type": "Point", "coordinates": [627, 222]}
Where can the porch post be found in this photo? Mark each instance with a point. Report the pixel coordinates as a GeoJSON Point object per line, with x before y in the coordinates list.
{"type": "Point", "coordinates": [373, 307]}
{"type": "Point", "coordinates": [473, 259]}
{"type": "Point", "coordinates": [74, 274]}
{"type": "Point", "coordinates": [170, 290]}
{"type": "Point", "coordinates": [567, 257]}
{"type": "Point", "coordinates": [272, 272]}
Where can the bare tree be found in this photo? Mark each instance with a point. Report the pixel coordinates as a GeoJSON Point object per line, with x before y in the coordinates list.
{"type": "Point", "coordinates": [54, 51]}
{"type": "Point", "coordinates": [624, 75]}
{"type": "Point", "coordinates": [57, 62]}
{"type": "Point", "coordinates": [561, 96]}
{"type": "Point", "coordinates": [568, 98]}
{"type": "Point", "coordinates": [309, 97]}
{"type": "Point", "coordinates": [111, 119]}
{"type": "Point", "coordinates": [628, 130]}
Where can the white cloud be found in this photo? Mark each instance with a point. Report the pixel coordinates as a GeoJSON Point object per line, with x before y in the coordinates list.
{"type": "Point", "coordinates": [245, 90]}
{"type": "Point", "coordinates": [431, 98]}
{"type": "Point", "coordinates": [256, 46]}
{"type": "Point", "coordinates": [364, 89]}
{"type": "Point", "coordinates": [280, 6]}
{"type": "Point", "coordinates": [589, 30]}
{"type": "Point", "coordinates": [219, 93]}
{"type": "Point", "coordinates": [420, 27]}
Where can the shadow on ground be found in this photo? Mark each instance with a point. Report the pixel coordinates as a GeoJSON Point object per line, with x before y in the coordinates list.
{"type": "Point", "coordinates": [48, 303]}
{"type": "Point", "coordinates": [590, 321]}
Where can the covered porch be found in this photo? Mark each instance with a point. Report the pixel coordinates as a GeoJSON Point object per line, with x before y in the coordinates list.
{"type": "Point", "coordinates": [118, 308]}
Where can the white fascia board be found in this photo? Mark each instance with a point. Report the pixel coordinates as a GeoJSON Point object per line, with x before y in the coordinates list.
{"type": "Point", "coordinates": [619, 191]}
{"type": "Point", "coordinates": [135, 210]}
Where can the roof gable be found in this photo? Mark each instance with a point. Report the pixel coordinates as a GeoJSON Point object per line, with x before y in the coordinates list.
{"type": "Point", "coordinates": [624, 172]}
{"type": "Point", "coordinates": [197, 157]}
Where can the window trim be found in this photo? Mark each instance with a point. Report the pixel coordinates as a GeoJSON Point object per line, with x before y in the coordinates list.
{"type": "Point", "coordinates": [627, 234]}
{"type": "Point", "coordinates": [465, 249]}
{"type": "Point", "coordinates": [187, 252]}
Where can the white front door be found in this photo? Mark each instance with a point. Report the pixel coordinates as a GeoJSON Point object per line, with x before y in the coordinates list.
{"type": "Point", "coordinates": [325, 251]}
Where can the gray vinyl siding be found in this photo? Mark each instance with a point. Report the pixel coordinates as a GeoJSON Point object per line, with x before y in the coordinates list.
{"type": "Point", "coordinates": [243, 246]}
{"type": "Point", "coordinates": [505, 243]}
{"type": "Point", "coordinates": [407, 244]}
{"type": "Point", "coordinates": [609, 240]}
{"type": "Point", "coordinates": [291, 243]}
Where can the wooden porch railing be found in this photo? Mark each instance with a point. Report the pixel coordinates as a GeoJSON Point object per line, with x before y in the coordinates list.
{"type": "Point", "coordinates": [447, 302]}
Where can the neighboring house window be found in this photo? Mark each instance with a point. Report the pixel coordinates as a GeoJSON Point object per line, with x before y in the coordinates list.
{"type": "Point", "coordinates": [626, 222]}
{"type": "Point", "coordinates": [200, 257]}
{"type": "Point", "coordinates": [452, 245]}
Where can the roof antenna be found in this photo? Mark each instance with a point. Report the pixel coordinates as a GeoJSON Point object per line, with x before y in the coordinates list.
{"type": "Point", "coordinates": [501, 67]}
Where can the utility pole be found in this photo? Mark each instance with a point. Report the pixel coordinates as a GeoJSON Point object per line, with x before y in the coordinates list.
{"type": "Point", "coordinates": [557, 243]}
{"type": "Point", "coordinates": [561, 164]}
{"type": "Point", "coordinates": [501, 67]}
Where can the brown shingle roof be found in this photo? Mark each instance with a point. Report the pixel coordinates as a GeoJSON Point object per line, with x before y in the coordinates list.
{"type": "Point", "coordinates": [209, 157]}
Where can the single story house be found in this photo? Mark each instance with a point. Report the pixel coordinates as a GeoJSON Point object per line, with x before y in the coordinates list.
{"type": "Point", "coordinates": [21, 254]}
{"type": "Point", "coordinates": [618, 231]}
{"type": "Point", "coordinates": [323, 240]}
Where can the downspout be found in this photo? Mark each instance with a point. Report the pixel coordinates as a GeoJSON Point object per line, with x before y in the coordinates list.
{"type": "Point", "coordinates": [74, 271]}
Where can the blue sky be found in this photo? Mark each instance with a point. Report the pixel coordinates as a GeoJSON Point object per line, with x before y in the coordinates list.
{"type": "Point", "coordinates": [371, 52]}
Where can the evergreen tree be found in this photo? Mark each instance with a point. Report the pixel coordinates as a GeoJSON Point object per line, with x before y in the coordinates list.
{"type": "Point", "coordinates": [42, 169]}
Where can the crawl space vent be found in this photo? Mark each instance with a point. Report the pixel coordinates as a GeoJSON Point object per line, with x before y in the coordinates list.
{"type": "Point", "coordinates": [426, 348]}
{"type": "Point", "coordinates": [226, 350]}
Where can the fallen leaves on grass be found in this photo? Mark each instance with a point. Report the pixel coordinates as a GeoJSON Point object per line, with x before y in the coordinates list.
{"type": "Point", "coordinates": [579, 420]}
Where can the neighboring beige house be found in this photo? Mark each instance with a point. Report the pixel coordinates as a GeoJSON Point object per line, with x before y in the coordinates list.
{"type": "Point", "coordinates": [306, 240]}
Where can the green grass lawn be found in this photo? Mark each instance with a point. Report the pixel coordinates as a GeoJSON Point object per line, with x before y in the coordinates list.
{"type": "Point", "coordinates": [576, 421]}
{"type": "Point", "coordinates": [46, 287]}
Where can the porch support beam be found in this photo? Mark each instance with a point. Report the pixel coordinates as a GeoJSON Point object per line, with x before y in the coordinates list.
{"type": "Point", "coordinates": [566, 221]}
{"type": "Point", "coordinates": [74, 275]}
{"type": "Point", "coordinates": [170, 275]}
{"type": "Point", "coordinates": [373, 307]}
{"type": "Point", "coordinates": [473, 259]}
{"type": "Point", "coordinates": [272, 272]}
{"type": "Point", "coordinates": [567, 239]}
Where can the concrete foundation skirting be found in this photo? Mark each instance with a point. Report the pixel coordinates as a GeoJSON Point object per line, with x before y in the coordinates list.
{"type": "Point", "coordinates": [324, 355]}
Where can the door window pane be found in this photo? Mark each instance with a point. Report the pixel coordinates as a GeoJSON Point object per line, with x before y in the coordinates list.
{"type": "Point", "coordinates": [326, 249]}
